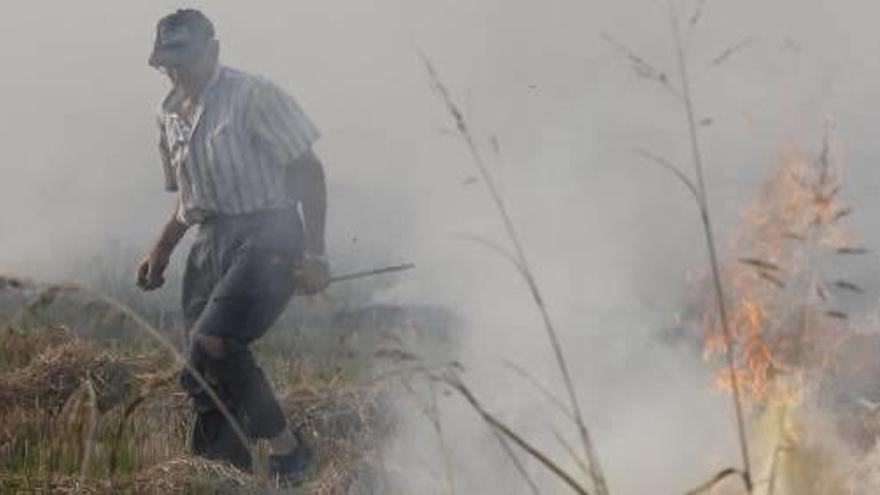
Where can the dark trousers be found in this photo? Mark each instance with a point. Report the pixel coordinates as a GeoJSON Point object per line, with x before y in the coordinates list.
{"type": "Point", "coordinates": [238, 279]}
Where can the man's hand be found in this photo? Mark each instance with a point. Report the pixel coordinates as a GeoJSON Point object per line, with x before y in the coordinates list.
{"type": "Point", "coordinates": [313, 274]}
{"type": "Point", "coordinates": [151, 269]}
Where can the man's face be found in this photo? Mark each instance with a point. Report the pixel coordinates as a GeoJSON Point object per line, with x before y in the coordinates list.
{"type": "Point", "coordinates": [190, 73]}
{"type": "Point", "coordinates": [173, 74]}
{"type": "Point", "coordinates": [180, 76]}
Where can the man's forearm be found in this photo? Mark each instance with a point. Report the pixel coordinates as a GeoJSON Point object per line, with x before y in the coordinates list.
{"type": "Point", "coordinates": [170, 236]}
{"type": "Point", "coordinates": [312, 187]}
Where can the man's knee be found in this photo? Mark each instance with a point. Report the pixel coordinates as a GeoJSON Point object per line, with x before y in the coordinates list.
{"type": "Point", "coordinates": [216, 348]}
{"type": "Point", "coordinates": [213, 347]}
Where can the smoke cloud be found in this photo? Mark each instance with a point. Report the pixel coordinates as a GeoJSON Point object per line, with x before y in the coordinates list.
{"type": "Point", "coordinates": [614, 240]}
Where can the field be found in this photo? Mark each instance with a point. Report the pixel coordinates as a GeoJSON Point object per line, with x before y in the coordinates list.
{"type": "Point", "coordinates": [89, 401]}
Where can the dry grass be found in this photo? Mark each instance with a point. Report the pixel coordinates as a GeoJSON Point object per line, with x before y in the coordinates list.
{"type": "Point", "coordinates": [76, 417]}
{"type": "Point", "coordinates": [191, 475]}
{"type": "Point", "coordinates": [51, 377]}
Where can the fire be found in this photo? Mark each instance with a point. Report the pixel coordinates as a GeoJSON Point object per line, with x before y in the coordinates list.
{"type": "Point", "coordinates": [780, 316]}
{"type": "Point", "coordinates": [793, 339]}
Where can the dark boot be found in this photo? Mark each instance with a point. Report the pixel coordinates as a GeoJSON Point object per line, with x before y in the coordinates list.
{"type": "Point", "coordinates": [290, 468]}
{"type": "Point", "coordinates": [214, 438]}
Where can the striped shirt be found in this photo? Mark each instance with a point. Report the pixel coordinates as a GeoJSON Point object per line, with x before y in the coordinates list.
{"type": "Point", "coordinates": [233, 157]}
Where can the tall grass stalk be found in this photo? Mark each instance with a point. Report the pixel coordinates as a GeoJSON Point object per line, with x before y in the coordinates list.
{"type": "Point", "coordinates": [571, 452]}
{"type": "Point", "coordinates": [438, 425]}
{"type": "Point", "coordinates": [777, 452]}
{"type": "Point", "coordinates": [89, 438]}
{"type": "Point", "coordinates": [706, 217]}
{"type": "Point", "coordinates": [520, 468]}
{"type": "Point", "coordinates": [526, 271]}
{"type": "Point", "coordinates": [716, 480]}
{"type": "Point", "coordinates": [525, 375]}
{"type": "Point", "coordinates": [430, 411]}
{"type": "Point", "coordinates": [508, 433]}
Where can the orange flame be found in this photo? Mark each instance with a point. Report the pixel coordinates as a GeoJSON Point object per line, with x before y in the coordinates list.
{"type": "Point", "coordinates": [774, 283]}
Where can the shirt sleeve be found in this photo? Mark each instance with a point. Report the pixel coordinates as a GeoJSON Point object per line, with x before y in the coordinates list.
{"type": "Point", "coordinates": [165, 155]}
{"type": "Point", "coordinates": [278, 123]}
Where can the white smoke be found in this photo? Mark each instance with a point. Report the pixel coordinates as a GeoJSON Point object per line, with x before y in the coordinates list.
{"type": "Point", "coordinates": [612, 238]}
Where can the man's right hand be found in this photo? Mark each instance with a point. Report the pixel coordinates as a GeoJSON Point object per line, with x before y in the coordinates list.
{"type": "Point", "coordinates": [313, 273]}
{"type": "Point", "coordinates": [150, 271]}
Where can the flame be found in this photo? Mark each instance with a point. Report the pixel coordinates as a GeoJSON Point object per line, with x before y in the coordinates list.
{"type": "Point", "coordinates": [778, 320]}
{"type": "Point", "coordinates": [782, 317]}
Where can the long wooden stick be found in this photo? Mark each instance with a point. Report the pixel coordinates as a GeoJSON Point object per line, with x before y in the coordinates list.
{"type": "Point", "coordinates": [371, 273]}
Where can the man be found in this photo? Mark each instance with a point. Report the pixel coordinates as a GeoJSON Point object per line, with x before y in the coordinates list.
{"type": "Point", "coordinates": [237, 151]}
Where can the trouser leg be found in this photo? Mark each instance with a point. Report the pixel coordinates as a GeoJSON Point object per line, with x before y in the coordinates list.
{"type": "Point", "coordinates": [242, 306]}
{"type": "Point", "coordinates": [244, 387]}
{"type": "Point", "coordinates": [212, 436]}
{"type": "Point", "coordinates": [199, 279]}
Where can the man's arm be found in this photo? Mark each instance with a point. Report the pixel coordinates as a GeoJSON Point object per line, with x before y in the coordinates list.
{"type": "Point", "coordinates": [152, 266]}
{"type": "Point", "coordinates": [283, 130]}
{"type": "Point", "coordinates": [280, 126]}
{"type": "Point", "coordinates": [307, 177]}
{"type": "Point", "coordinates": [306, 180]}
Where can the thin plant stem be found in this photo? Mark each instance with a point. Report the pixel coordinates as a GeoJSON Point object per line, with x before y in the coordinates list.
{"type": "Point", "coordinates": [722, 475]}
{"type": "Point", "coordinates": [429, 410]}
{"type": "Point", "coordinates": [438, 425]}
{"type": "Point", "coordinates": [520, 468]}
{"type": "Point", "coordinates": [777, 453]}
{"type": "Point", "coordinates": [568, 448]}
{"type": "Point", "coordinates": [706, 218]}
{"type": "Point", "coordinates": [596, 473]}
{"type": "Point", "coordinates": [89, 439]}
{"type": "Point", "coordinates": [540, 388]}
{"type": "Point", "coordinates": [670, 167]}
{"type": "Point", "coordinates": [502, 428]}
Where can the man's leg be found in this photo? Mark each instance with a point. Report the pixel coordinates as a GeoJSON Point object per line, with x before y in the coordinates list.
{"type": "Point", "coordinates": [199, 279]}
{"type": "Point", "coordinates": [212, 437]}
{"type": "Point", "coordinates": [243, 305]}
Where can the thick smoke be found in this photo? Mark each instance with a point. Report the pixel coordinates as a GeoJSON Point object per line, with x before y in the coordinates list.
{"type": "Point", "coordinates": [613, 239]}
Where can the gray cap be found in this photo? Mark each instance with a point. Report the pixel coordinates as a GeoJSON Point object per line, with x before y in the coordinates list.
{"type": "Point", "coordinates": [180, 37]}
